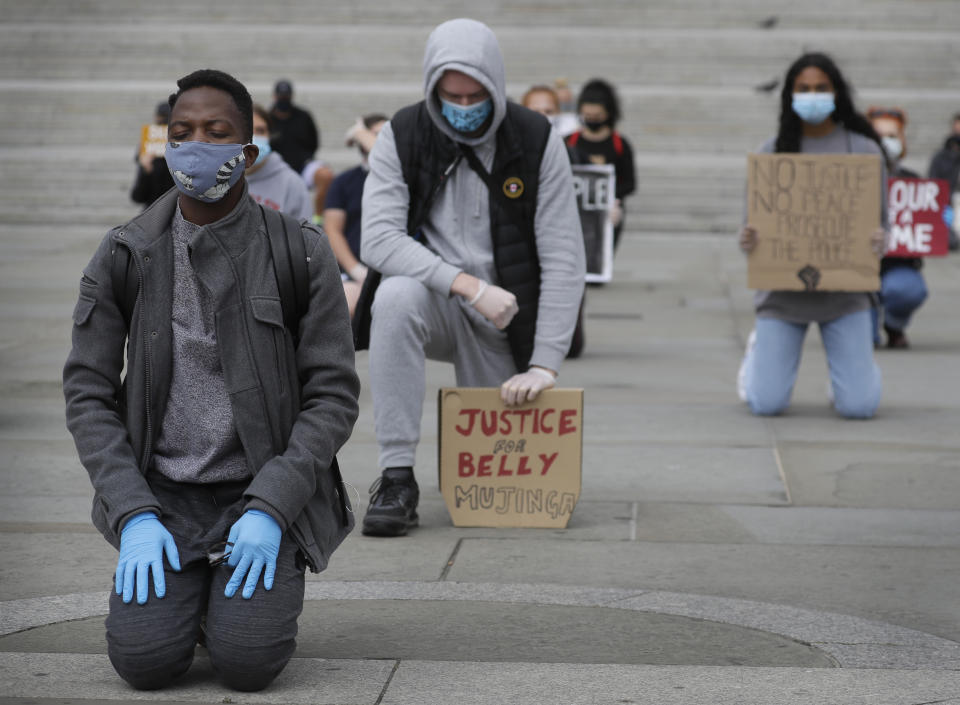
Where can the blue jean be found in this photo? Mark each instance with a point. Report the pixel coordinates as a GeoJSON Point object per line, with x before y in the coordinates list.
{"type": "Point", "coordinates": [772, 363]}
{"type": "Point", "coordinates": [902, 291]}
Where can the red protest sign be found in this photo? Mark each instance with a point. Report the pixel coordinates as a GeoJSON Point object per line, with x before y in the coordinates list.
{"type": "Point", "coordinates": [916, 217]}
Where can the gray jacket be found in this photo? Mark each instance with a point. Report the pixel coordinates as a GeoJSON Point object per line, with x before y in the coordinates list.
{"type": "Point", "coordinates": [457, 228]}
{"type": "Point", "coordinates": [293, 409]}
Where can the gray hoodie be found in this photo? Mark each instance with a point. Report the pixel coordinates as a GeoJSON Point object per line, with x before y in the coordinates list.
{"type": "Point", "coordinates": [277, 186]}
{"type": "Point", "coordinates": [457, 229]}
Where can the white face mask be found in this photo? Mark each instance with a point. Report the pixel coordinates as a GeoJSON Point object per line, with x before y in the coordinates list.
{"type": "Point", "coordinates": [892, 146]}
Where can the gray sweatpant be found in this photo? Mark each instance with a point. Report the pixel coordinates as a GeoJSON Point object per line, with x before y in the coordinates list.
{"type": "Point", "coordinates": [410, 324]}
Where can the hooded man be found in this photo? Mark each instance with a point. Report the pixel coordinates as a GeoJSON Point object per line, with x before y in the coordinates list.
{"type": "Point", "coordinates": [491, 280]}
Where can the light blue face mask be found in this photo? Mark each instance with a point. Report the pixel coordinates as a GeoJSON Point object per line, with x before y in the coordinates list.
{"type": "Point", "coordinates": [203, 170]}
{"type": "Point", "coordinates": [466, 118]}
{"type": "Point", "coordinates": [263, 143]}
{"type": "Point", "coordinates": [813, 108]}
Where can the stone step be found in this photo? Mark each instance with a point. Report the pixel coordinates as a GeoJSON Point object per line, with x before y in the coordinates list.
{"type": "Point", "coordinates": [656, 118]}
{"type": "Point", "coordinates": [814, 14]}
{"type": "Point", "coordinates": [624, 55]}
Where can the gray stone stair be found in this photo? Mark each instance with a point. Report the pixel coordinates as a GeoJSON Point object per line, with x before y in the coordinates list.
{"type": "Point", "coordinates": [78, 79]}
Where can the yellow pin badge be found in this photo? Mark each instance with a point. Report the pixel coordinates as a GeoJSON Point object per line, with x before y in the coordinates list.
{"type": "Point", "coordinates": [513, 187]}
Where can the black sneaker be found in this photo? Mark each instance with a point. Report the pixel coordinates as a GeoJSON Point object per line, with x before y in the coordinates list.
{"type": "Point", "coordinates": [393, 504]}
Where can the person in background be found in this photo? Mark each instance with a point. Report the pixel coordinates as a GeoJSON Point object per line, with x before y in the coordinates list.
{"type": "Point", "coordinates": [271, 180]}
{"type": "Point", "coordinates": [946, 165]}
{"type": "Point", "coordinates": [902, 288]}
{"type": "Point", "coordinates": [153, 177]}
{"type": "Point", "coordinates": [543, 99]}
{"type": "Point", "coordinates": [567, 121]}
{"type": "Point", "coordinates": [341, 217]}
{"type": "Point", "coordinates": [817, 116]}
{"type": "Point", "coordinates": [295, 137]}
{"type": "Point", "coordinates": [598, 142]}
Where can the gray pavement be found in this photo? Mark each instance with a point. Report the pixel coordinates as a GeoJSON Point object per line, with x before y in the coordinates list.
{"type": "Point", "coordinates": [714, 557]}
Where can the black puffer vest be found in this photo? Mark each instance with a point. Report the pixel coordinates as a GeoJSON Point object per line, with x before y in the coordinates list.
{"type": "Point", "coordinates": [425, 154]}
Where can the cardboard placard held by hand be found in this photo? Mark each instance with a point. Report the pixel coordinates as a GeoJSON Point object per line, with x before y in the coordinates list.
{"type": "Point", "coordinates": [815, 215]}
{"type": "Point", "coordinates": [153, 140]}
{"type": "Point", "coordinates": [510, 466]}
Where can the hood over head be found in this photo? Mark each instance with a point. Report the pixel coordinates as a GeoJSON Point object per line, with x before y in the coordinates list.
{"type": "Point", "coordinates": [469, 47]}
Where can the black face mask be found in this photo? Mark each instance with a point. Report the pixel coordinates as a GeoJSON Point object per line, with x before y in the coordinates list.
{"type": "Point", "coordinates": [595, 125]}
{"type": "Point", "coordinates": [282, 104]}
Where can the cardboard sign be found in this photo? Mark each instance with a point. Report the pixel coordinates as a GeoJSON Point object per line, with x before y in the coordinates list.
{"type": "Point", "coordinates": [594, 187]}
{"type": "Point", "coordinates": [916, 217]}
{"type": "Point", "coordinates": [510, 466]}
{"type": "Point", "coordinates": [815, 215]}
{"type": "Point", "coordinates": [153, 140]}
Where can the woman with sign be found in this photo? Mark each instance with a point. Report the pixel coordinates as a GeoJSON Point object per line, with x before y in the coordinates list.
{"type": "Point", "coordinates": [816, 116]}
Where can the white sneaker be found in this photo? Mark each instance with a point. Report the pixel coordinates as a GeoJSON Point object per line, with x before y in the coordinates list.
{"type": "Point", "coordinates": [742, 374]}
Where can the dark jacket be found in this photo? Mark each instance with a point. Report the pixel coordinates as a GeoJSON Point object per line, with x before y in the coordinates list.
{"type": "Point", "coordinates": [946, 163]}
{"type": "Point", "coordinates": [293, 409]}
{"type": "Point", "coordinates": [425, 153]}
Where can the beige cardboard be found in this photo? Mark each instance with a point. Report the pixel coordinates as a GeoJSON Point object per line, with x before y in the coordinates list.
{"type": "Point", "coordinates": [153, 140]}
{"type": "Point", "coordinates": [814, 215]}
{"type": "Point", "coordinates": [510, 467]}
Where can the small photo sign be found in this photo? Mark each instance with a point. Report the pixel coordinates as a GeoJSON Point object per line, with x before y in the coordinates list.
{"type": "Point", "coordinates": [815, 215]}
{"type": "Point", "coordinates": [153, 140]}
{"type": "Point", "coordinates": [594, 186]}
{"type": "Point", "coordinates": [510, 466]}
{"type": "Point", "coordinates": [917, 228]}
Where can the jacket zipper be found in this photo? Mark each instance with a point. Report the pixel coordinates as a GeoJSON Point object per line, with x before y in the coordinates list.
{"type": "Point", "coordinates": [148, 371]}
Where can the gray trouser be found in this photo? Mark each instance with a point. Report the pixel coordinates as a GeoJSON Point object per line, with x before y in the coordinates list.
{"type": "Point", "coordinates": [410, 324]}
{"type": "Point", "coordinates": [249, 641]}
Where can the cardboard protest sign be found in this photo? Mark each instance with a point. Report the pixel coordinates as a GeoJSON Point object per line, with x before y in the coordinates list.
{"type": "Point", "coordinates": [815, 215]}
{"type": "Point", "coordinates": [916, 217]}
{"type": "Point", "coordinates": [510, 466]}
{"type": "Point", "coordinates": [594, 186]}
{"type": "Point", "coordinates": [153, 140]}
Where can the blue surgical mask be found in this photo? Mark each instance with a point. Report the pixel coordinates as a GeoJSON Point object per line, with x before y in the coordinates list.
{"type": "Point", "coordinates": [263, 144]}
{"type": "Point", "coordinates": [813, 108]}
{"type": "Point", "coordinates": [466, 118]}
{"type": "Point", "coordinates": [203, 170]}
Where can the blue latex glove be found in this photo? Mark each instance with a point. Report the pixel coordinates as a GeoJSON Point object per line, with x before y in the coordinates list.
{"type": "Point", "coordinates": [948, 215]}
{"type": "Point", "coordinates": [142, 544]}
{"type": "Point", "coordinates": [256, 542]}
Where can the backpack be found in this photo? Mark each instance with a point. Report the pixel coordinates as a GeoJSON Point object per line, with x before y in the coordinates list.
{"type": "Point", "coordinates": [617, 141]}
{"type": "Point", "coordinates": [289, 267]}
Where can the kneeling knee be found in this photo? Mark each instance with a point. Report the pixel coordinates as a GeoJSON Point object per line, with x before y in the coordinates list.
{"type": "Point", "coordinates": [152, 670]}
{"type": "Point", "coordinates": [856, 408]}
{"type": "Point", "coordinates": [767, 404]}
{"type": "Point", "coordinates": [249, 670]}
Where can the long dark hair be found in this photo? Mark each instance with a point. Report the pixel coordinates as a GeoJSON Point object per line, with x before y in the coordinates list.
{"type": "Point", "coordinates": [791, 126]}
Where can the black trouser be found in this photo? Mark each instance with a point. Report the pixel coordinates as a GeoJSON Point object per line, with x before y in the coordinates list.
{"type": "Point", "coordinates": [249, 641]}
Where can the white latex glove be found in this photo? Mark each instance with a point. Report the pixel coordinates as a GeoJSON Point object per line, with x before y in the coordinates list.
{"type": "Point", "coordinates": [358, 273]}
{"type": "Point", "coordinates": [616, 213]}
{"type": "Point", "coordinates": [526, 386]}
{"type": "Point", "coordinates": [497, 305]}
{"type": "Point", "coordinates": [878, 242]}
{"type": "Point", "coordinates": [350, 137]}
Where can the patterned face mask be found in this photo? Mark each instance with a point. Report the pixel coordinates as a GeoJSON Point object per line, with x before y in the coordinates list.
{"type": "Point", "coordinates": [203, 170]}
{"type": "Point", "coordinates": [466, 118]}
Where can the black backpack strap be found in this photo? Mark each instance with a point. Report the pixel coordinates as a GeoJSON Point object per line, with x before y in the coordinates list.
{"type": "Point", "coordinates": [289, 267]}
{"type": "Point", "coordinates": [125, 281]}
